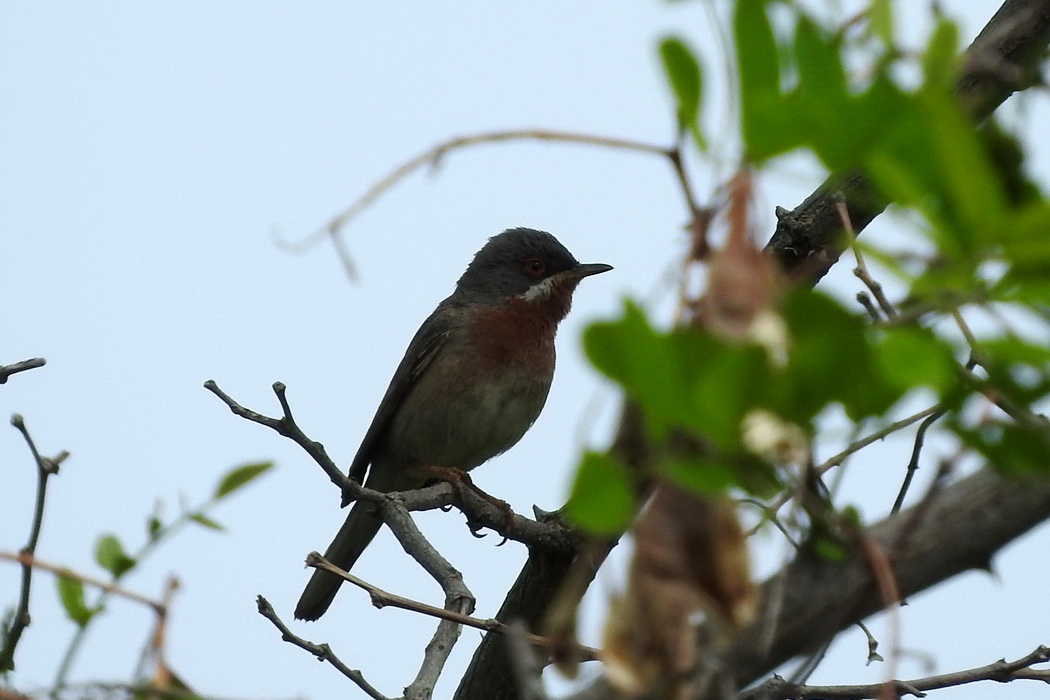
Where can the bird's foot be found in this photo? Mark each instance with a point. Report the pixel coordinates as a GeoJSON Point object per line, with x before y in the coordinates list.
{"type": "Point", "coordinates": [460, 482]}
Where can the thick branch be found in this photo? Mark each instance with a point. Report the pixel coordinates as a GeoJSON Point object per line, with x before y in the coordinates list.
{"type": "Point", "coordinates": [961, 530]}
{"type": "Point", "coordinates": [7, 370]}
{"type": "Point", "coordinates": [1003, 59]}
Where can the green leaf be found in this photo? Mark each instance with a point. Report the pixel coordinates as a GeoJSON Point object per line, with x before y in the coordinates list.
{"type": "Point", "coordinates": [830, 361]}
{"type": "Point", "coordinates": [912, 357]}
{"type": "Point", "coordinates": [756, 47]}
{"type": "Point", "coordinates": [940, 62]}
{"type": "Point", "coordinates": [829, 549]}
{"type": "Point", "coordinates": [1024, 239]}
{"type": "Point", "coordinates": [717, 472]}
{"type": "Point", "coordinates": [759, 69]}
{"type": "Point", "coordinates": [153, 527]}
{"type": "Point", "coordinates": [1015, 350]}
{"type": "Point", "coordinates": [686, 80]}
{"type": "Point", "coordinates": [1010, 448]}
{"type": "Point", "coordinates": [110, 555]}
{"type": "Point", "coordinates": [240, 476]}
{"type": "Point", "coordinates": [602, 499]}
{"type": "Point", "coordinates": [633, 354]}
{"type": "Point", "coordinates": [202, 519]}
{"type": "Point", "coordinates": [702, 475]}
{"type": "Point", "coordinates": [880, 19]}
{"type": "Point", "coordinates": [683, 379]}
{"type": "Point", "coordinates": [820, 70]}
{"type": "Point", "coordinates": [71, 593]}
{"type": "Point", "coordinates": [728, 380]}
{"type": "Point", "coordinates": [973, 198]}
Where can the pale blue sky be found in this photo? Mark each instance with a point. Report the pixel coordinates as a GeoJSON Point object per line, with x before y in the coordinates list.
{"type": "Point", "coordinates": [152, 150]}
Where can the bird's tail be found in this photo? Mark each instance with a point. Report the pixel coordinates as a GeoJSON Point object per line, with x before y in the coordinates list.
{"type": "Point", "coordinates": [360, 527]}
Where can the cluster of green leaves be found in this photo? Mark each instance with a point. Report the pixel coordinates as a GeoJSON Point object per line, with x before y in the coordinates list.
{"type": "Point", "coordinates": [987, 223]}
{"type": "Point", "coordinates": [112, 556]}
{"type": "Point", "coordinates": [690, 381]}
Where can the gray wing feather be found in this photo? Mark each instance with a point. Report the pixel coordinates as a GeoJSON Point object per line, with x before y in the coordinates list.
{"type": "Point", "coordinates": [428, 341]}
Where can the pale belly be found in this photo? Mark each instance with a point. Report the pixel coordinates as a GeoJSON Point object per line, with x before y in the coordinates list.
{"type": "Point", "coordinates": [468, 425]}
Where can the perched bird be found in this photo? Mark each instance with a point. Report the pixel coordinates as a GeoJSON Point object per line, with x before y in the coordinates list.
{"type": "Point", "coordinates": [472, 382]}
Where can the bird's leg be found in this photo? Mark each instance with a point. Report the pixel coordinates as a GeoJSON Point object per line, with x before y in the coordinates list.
{"type": "Point", "coordinates": [460, 481]}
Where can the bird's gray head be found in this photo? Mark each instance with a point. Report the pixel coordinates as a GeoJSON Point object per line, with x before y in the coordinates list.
{"type": "Point", "coordinates": [522, 263]}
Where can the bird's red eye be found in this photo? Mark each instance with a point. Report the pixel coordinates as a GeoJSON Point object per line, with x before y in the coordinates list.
{"type": "Point", "coordinates": [535, 266]}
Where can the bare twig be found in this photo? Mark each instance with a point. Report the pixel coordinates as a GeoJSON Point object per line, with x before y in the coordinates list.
{"type": "Point", "coordinates": [45, 468]}
{"type": "Point", "coordinates": [133, 691]}
{"type": "Point", "coordinates": [552, 533]}
{"type": "Point", "coordinates": [922, 509]}
{"type": "Point", "coordinates": [323, 652]}
{"type": "Point", "coordinates": [395, 508]}
{"type": "Point", "coordinates": [433, 155]}
{"type": "Point", "coordinates": [913, 462]}
{"type": "Point", "coordinates": [873, 644]}
{"type": "Point", "coordinates": [861, 271]}
{"type": "Point", "coordinates": [7, 370]}
{"type": "Point", "coordinates": [886, 579]}
{"type": "Point", "coordinates": [873, 311]}
{"type": "Point", "coordinates": [381, 598]}
{"type": "Point", "coordinates": [880, 434]}
{"type": "Point", "coordinates": [458, 598]}
{"type": "Point", "coordinates": [287, 427]}
{"type": "Point", "coordinates": [29, 560]}
{"type": "Point", "coordinates": [1001, 671]}
{"type": "Point", "coordinates": [776, 504]}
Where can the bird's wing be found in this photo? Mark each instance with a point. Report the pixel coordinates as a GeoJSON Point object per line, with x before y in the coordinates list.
{"type": "Point", "coordinates": [428, 341]}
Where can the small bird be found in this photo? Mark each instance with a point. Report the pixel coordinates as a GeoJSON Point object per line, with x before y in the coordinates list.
{"type": "Point", "coordinates": [472, 382]}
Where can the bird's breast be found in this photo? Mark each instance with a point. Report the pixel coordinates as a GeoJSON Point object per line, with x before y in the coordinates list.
{"type": "Point", "coordinates": [480, 394]}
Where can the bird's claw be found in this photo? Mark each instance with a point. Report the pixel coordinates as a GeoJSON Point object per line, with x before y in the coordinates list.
{"type": "Point", "coordinates": [461, 482]}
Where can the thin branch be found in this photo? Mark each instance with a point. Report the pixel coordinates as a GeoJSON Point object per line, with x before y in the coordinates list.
{"type": "Point", "coordinates": [913, 461]}
{"type": "Point", "coordinates": [551, 533]}
{"type": "Point", "coordinates": [433, 155]}
{"type": "Point", "coordinates": [873, 644]}
{"type": "Point", "coordinates": [45, 468]}
{"type": "Point", "coordinates": [7, 370]}
{"type": "Point", "coordinates": [458, 598]}
{"type": "Point", "coordinates": [381, 598]}
{"type": "Point", "coordinates": [136, 691]}
{"type": "Point", "coordinates": [776, 504]}
{"type": "Point", "coordinates": [287, 427]}
{"type": "Point", "coordinates": [696, 213]}
{"type": "Point", "coordinates": [29, 560]}
{"type": "Point", "coordinates": [395, 508]}
{"type": "Point", "coordinates": [323, 652]}
{"type": "Point", "coordinates": [1001, 671]}
{"type": "Point", "coordinates": [886, 579]}
{"type": "Point", "coordinates": [880, 434]}
{"type": "Point", "coordinates": [1022, 414]}
{"type": "Point", "coordinates": [864, 299]}
{"type": "Point", "coordinates": [861, 271]}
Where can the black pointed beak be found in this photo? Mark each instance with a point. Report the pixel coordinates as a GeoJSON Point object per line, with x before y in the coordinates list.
{"type": "Point", "coordinates": [587, 269]}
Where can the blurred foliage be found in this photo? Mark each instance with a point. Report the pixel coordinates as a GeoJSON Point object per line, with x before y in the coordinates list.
{"type": "Point", "coordinates": [976, 208]}
{"type": "Point", "coordinates": [112, 556]}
